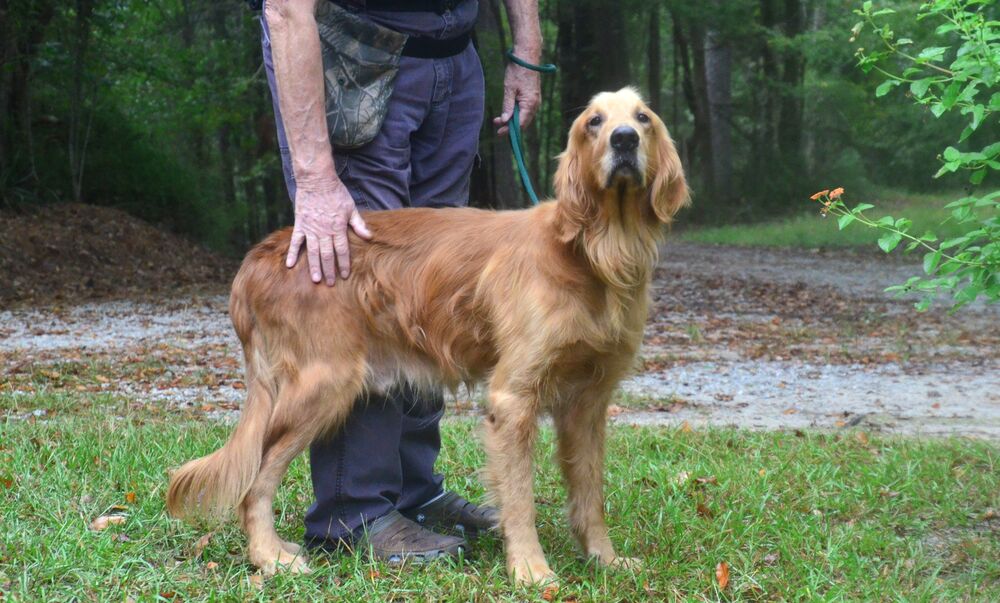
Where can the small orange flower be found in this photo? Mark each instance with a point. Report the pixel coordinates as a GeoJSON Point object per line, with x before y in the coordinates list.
{"type": "Point", "coordinates": [837, 192]}
{"type": "Point", "coordinates": [822, 193]}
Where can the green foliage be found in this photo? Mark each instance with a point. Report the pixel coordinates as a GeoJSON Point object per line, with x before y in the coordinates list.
{"type": "Point", "coordinates": [961, 76]}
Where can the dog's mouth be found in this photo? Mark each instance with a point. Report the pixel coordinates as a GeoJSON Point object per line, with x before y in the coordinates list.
{"type": "Point", "coordinates": [624, 170]}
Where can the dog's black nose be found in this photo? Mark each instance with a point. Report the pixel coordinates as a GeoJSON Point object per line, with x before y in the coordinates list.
{"type": "Point", "coordinates": [624, 138]}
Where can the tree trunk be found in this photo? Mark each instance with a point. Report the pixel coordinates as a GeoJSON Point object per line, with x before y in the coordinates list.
{"type": "Point", "coordinates": [23, 26]}
{"type": "Point", "coordinates": [80, 114]}
{"type": "Point", "coordinates": [8, 53]}
{"type": "Point", "coordinates": [816, 22]}
{"type": "Point", "coordinates": [767, 119]}
{"type": "Point", "coordinates": [493, 181]}
{"type": "Point", "coordinates": [793, 72]}
{"type": "Point", "coordinates": [592, 53]}
{"type": "Point", "coordinates": [223, 134]}
{"type": "Point", "coordinates": [718, 82]}
{"type": "Point", "coordinates": [654, 68]}
{"type": "Point", "coordinates": [690, 49]}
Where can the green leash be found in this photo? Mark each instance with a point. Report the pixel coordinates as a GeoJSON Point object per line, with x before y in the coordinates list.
{"type": "Point", "coordinates": [515, 127]}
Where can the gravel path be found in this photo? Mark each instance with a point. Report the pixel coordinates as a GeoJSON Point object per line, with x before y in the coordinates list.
{"type": "Point", "coordinates": [757, 338]}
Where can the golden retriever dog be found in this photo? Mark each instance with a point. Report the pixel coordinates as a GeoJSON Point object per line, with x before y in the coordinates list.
{"type": "Point", "coordinates": [546, 305]}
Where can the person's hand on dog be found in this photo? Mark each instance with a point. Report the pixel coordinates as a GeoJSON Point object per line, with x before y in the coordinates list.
{"type": "Point", "coordinates": [522, 86]}
{"type": "Point", "coordinates": [323, 213]}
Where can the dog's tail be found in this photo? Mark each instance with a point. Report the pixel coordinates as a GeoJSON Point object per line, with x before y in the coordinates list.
{"type": "Point", "coordinates": [208, 487]}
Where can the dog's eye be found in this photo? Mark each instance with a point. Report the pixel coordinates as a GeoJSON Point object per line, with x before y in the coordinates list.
{"type": "Point", "coordinates": [642, 118]}
{"type": "Point", "coordinates": [595, 121]}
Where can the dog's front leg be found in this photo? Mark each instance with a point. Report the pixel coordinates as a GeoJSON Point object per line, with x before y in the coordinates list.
{"type": "Point", "coordinates": [510, 432]}
{"type": "Point", "coordinates": [580, 429]}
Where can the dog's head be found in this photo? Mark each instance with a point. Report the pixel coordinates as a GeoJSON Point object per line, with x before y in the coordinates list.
{"type": "Point", "coordinates": [619, 152]}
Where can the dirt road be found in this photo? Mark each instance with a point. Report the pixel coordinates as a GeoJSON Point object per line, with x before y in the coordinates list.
{"type": "Point", "coordinates": [769, 339]}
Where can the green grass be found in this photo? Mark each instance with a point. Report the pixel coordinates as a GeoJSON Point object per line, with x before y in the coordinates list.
{"type": "Point", "coordinates": [795, 515]}
{"type": "Point", "coordinates": [810, 230]}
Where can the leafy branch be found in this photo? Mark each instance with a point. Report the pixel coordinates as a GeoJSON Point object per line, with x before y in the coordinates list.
{"type": "Point", "coordinates": [966, 266]}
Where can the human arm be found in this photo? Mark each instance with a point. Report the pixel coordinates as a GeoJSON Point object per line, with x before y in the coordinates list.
{"type": "Point", "coordinates": [324, 209]}
{"type": "Point", "coordinates": [522, 85]}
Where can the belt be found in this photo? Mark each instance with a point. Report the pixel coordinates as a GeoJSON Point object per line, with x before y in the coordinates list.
{"type": "Point", "coordinates": [397, 6]}
{"type": "Point", "coordinates": [432, 48]}
{"type": "Point", "coordinates": [404, 6]}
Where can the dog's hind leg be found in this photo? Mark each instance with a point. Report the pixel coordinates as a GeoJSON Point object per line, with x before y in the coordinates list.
{"type": "Point", "coordinates": [318, 400]}
{"type": "Point", "coordinates": [509, 440]}
{"type": "Point", "coordinates": [580, 430]}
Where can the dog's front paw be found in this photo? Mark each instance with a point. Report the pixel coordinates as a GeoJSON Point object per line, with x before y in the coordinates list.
{"type": "Point", "coordinates": [528, 572]}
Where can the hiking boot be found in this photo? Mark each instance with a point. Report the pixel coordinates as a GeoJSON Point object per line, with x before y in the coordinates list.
{"type": "Point", "coordinates": [452, 514]}
{"type": "Point", "coordinates": [395, 539]}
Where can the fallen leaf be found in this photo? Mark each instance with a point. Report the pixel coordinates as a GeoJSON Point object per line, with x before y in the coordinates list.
{"type": "Point", "coordinates": [989, 514]}
{"type": "Point", "coordinates": [211, 565]}
{"type": "Point", "coordinates": [936, 405]}
{"type": "Point", "coordinates": [771, 558]}
{"type": "Point", "coordinates": [686, 427]}
{"type": "Point", "coordinates": [550, 592]}
{"type": "Point", "coordinates": [682, 478]}
{"type": "Point", "coordinates": [674, 407]}
{"type": "Point", "coordinates": [762, 473]}
{"type": "Point", "coordinates": [130, 498]}
{"type": "Point", "coordinates": [373, 574]}
{"type": "Point", "coordinates": [168, 594]}
{"type": "Point", "coordinates": [722, 575]}
{"type": "Point", "coordinates": [102, 522]}
{"type": "Point", "coordinates": [200, 545]}
{"type": "Point", "coordinates": [614, 410]}
{"type": "Point", "coordinates": [861, 437]}
{"type": "Point", "coordinates": [789, 411]}
{"type": "Point", "coordinates": [704, 511]}
{"type": "Point", "coordinates": [711, 479]}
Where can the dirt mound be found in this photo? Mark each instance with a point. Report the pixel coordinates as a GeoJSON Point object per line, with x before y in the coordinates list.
{"type": "Point", "coordinates": [73, 252]}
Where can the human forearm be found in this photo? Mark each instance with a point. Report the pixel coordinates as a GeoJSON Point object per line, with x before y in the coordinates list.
{"type": "Point", "coordinates": [525, 28]}
{"type": "Point", "coordinates": [298, 70]}
{"type": "Point", "coordinates": [324, 209]}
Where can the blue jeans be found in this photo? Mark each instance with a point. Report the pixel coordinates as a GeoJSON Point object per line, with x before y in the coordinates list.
{"type": "Point", "coordinates": [383, 457]}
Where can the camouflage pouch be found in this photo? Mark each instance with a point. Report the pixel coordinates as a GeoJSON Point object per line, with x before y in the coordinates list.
{"type": "Point", "coordinates": [360, 62]}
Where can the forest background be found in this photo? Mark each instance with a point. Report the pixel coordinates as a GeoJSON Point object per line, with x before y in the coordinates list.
{"type": "Point", "coordinates": [161, 108]}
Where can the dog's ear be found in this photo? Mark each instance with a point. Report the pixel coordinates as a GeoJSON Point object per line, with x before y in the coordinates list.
{"type": "Point", "coordinates": [577, 205]}
{"type": "Point", "coordinates": [668, 191]}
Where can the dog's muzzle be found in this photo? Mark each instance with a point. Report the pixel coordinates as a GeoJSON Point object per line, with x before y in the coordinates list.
{"type": "Point", "coordinates": [625, 160]}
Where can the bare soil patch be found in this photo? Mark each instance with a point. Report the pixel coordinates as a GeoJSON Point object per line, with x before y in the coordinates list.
{"type": "Point", "coordinates": [66, 253]}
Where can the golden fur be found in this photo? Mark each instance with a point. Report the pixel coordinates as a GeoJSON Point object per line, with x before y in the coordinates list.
{"type": "Point", "coordinates": [546, 304]}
